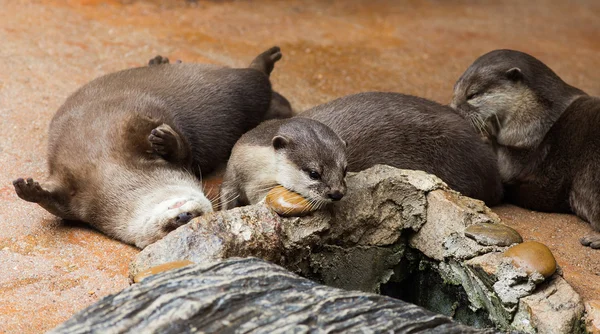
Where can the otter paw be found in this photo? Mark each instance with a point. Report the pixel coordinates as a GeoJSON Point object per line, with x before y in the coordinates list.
{"type": "Point", "coordinates": [158, 60]}
{"type": "Point", "coordinates": [265, 62]}
{"type": "Point", "coordinates": [591, 240]}
{"type": "Point", "coordinates": [29, 190]}
{"type": "Point", "coordinates": [163, 140]}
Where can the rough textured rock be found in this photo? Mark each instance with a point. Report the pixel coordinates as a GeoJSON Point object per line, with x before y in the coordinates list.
{"type": "Point", "coordinates": [493, 234]}
{"type": "Point", "coordinates": [259, 298]}
{"type": "Point", "coordinates": [592, 317]}
{"type": "Point", "coordinates": [554, 308]}
{"type": "Point", "coordinates": [448, 215]}
{"type": "Point", "coordinates": [402, 233]}
{"type": "Point", "coordinates": [380, 204]}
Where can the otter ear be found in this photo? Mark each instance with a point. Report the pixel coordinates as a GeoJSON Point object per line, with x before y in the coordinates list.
{"type": "Point", "coordinates": [514, 74]}
{"type": "Point", "coordinates": [280, 142]}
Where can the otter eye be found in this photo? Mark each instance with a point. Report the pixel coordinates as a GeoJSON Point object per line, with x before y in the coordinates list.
{"type": "Point", "coordinates": [473, 95]}
{"type": "Point", "coordinates": [313, 174]}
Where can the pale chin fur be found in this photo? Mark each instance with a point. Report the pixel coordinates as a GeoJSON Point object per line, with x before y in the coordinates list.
{"type": "Point", "coordinates": [294, 179]}
{"type": "Point", "coordinates": [157, 211]}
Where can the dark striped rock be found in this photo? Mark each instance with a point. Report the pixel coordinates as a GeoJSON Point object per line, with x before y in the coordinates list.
{"type": "Point", "coordinates": [251, 296]}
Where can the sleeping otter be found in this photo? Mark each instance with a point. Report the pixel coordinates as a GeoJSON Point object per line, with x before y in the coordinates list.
{"type": "Point", "coordinates": [543, 132]}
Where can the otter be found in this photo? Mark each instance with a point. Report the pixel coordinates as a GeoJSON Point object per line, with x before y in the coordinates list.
{"type": "Point", "coordinates": [542, 130]}
{"type": "Point", "coordinates": [126, 150]}
{"type": "Point", "coordinates": [302, 155]}
{"type": "Point", "coordinates": [409, 132]}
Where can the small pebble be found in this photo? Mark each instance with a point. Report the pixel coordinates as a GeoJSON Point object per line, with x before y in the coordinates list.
{"type": "Point", "coordinates": [287, 203]}
{"type": "Point", "coordinates": [493, 234]}
{"type": "Point", "coordinates": [532, 256]}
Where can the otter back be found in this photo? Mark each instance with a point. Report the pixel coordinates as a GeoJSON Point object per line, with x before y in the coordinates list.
{"type": "Point", "coordinates": [412, 133]}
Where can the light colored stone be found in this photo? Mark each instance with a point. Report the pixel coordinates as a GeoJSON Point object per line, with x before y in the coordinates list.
{"type": "Point", "coordinates": [592, 317]}
{"type": "Point", "coordinates": [553, 308]}
{"type": "Point", "coordinates": [380, 203]}
{"type": "Point", "coordinates": [448, 214]}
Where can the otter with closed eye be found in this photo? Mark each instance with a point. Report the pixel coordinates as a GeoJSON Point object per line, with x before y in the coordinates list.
{"type": "Point", "coordinates": [409, 132]}
{"type": "Point", "coordinates": [126, 150]}
{"type": "Point", "coordinates": [544, 133]}
{"type": "Point", "coordinates": [302, 155]}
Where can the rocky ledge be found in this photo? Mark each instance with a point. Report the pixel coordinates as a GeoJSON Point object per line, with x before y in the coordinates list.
{"type": "Point", "coordinates": [403, 234]}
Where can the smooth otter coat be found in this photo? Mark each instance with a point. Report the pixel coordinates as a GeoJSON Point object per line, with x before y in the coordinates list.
{"type": "Point", "coordinates": [543, 130]}
{"type": "Point", "coordinates": [125, 150]}
{"type": "Point", "coordinates": [412, 133]}
{"type": "Point", "coordinates": [302, 155]}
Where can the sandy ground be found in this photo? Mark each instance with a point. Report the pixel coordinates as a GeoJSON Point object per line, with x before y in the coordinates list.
{"type": "Point", "coordinates": [49, 270]}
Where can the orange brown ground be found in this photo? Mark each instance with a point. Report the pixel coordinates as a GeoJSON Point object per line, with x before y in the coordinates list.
{"type": "Point", "coordinates": [49, 270]}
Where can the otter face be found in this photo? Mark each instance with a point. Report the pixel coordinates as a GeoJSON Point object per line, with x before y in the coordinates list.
{"type": "Point", "coordinates": [493, 99]}
{"type": "Point", "coordinates": [164, 209]}
{"type": "Point", "coordinates": [315, 170]}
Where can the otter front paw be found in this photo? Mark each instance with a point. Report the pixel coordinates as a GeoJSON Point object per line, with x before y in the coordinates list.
{"type": "Point", "coordinates": [591, 240]}
{"type": "Point", "coordinates": [163, 140]}
{"type": "Point", "coordinates": [158, 60]}
{"type": "Point", "coordinates": [30, 190]}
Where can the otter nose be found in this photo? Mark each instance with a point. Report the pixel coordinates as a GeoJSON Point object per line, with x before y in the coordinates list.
{"type": "Point", "coordinates": [335, 195]}
{"type": "Point", "coordinates": [184, 218]}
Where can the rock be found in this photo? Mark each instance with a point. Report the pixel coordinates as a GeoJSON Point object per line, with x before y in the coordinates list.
{"type": "Point", "coordinates": [160, 268]}
{"type": "Point", "coordinates": [251, 295]}
{"type": "Point", "coordinates": [554, 308]}
{"type": "Point", "coordinates": [287, 203]}
{"type": "Point", "coordinates": [246, 231]}
{"type": "Point", "coordinates": [493, 234]}
{"type": "Point", "coordinates": [532, 256]}
{"type": "Point", "coordinates": [380, 203]}
{"type": "Point", "coordinates": [592, 317]}
{"type": "Point", "coordinates": [448, 215]}
{"type": "Point", "coordinates": [396, 231]}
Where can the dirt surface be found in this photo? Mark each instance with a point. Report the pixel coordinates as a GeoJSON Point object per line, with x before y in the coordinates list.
{"type": "Point", "coordinates": [49, 270]}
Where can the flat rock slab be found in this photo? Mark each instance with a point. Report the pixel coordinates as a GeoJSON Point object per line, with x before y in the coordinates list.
{"type": "Point", "coordinates": [251, 296]}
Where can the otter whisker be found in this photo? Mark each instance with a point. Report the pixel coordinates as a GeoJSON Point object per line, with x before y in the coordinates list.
{"type": "Point", "coordinates": [227, 201]}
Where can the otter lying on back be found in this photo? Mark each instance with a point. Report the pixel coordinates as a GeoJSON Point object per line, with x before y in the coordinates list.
{"type": "Point", "coordinates": [543, 130]}
{"type": "Point", "coordinates": [412, 133]}
{"type": "Point", "coordinates": [126, 150]}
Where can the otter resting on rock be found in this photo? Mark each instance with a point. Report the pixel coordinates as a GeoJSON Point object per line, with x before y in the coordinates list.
{"type": "Point", "coordinates": [544, 133]}
{"type": "Point", "coordinates": [409, 132]}
{"type": "Point", "coordinates": [302, 155]}
{"type": "Point", "coordinates": [126, 150]}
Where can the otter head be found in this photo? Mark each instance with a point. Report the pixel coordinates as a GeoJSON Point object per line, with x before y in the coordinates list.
{"type": "Point", "coordinates": [511, 97]}
{"type": "Point", "coordinates": [311, 160]}
{"type": "Point", "coordinates": [149, 203]}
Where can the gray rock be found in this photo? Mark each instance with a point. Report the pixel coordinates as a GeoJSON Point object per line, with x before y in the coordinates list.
{"type": "Point", "coordinates": [554, 308]}
{"type": "Point", "coordinates": [381, 203]}
{"type": "Point", "coordinates": [393, 225]}
{"type": "Point", "coordinates": [250, 296]}
{"type": "Point", "coordinates": [448, 215]}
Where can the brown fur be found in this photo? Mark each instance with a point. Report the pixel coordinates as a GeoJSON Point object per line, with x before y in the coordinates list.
{"type": "Point", "coordinates": [126, 149]}
{"type": "Point", "coordinates": [286, 152]}
{"type": "Point", "coordinates": [543, 131]}
{"type": "Point", "coordinates": [412, 133]}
